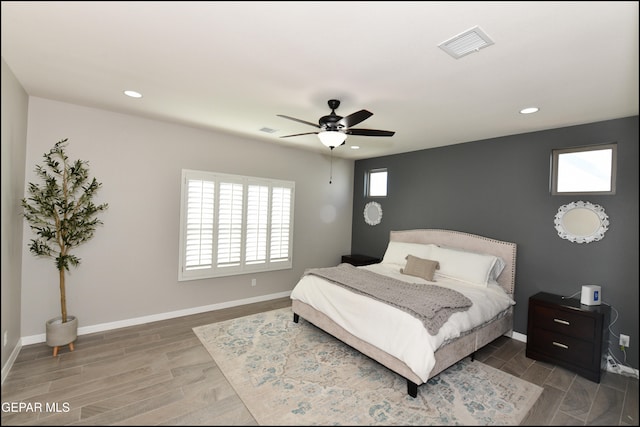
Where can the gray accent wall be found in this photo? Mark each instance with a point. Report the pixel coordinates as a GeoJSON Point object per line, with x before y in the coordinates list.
{"type": "Point", "coordinates": [499, 188]}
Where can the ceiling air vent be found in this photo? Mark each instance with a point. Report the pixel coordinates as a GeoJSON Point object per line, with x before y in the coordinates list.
{"type": "Point", "coordinates": [465, 43]}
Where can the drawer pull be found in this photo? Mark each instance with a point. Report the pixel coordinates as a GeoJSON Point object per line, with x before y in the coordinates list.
{"type": "Point", "coordinates": [557, 344]}
{"type": "Point", "coordinates": [563, 322]}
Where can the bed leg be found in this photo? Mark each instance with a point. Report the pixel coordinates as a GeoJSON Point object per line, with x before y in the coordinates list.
{"type": "Point", "coordinates": [473, 356]}
{"type": "Point", "coordinates": [412, 388]}
{"type": "Point", "coordinates": [296, 317]}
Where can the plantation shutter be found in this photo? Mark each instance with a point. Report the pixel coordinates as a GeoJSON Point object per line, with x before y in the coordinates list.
{"type": "Point", "coordinates": [257, 223]}
{"type": "Point", "coordinates": [280, 224]}
{"type": "Point", "coordinates": [230, 224]}
{"type": "Point", "coordinates": [199, 224]}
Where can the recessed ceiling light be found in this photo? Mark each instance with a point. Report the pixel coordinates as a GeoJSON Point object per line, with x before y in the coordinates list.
{"type": "Point", "coordinates": [133, 94]}
{"type": "Point", "coordinates": [355, 147]}
{"type": "Point", "coordinates": [529, 110]}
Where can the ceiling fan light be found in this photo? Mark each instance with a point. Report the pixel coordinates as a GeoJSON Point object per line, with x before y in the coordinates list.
{"type": "Point", "coordinates": [332, 138]}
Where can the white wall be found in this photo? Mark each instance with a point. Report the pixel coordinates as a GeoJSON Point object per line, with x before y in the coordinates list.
{"type": "Point", "coordinates": [14, 135]}
{"type": "Point", "coordinates": [129, 270]}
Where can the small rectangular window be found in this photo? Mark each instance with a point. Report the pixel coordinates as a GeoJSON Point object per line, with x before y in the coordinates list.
{"type": "Point", "coordinates": [584, 170]}
{"type": "Point", "coordinates": [377, 183]}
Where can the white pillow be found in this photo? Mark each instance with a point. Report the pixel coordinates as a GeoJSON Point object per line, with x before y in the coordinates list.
{"type": "Point", "coordinates": [397, 252]}
{"type": "Point", "coordinates": [470, 267]}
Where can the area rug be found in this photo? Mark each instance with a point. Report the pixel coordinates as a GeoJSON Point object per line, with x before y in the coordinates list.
{"type": "Point", "coordinates": [290, 373]}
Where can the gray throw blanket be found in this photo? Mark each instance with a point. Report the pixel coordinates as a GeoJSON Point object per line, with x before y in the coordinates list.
{"type": "Point", "coordinates": [431, 304]}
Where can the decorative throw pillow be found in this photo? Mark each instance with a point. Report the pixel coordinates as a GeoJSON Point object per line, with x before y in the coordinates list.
{"type": "Point", "coordinates": [420, 267]}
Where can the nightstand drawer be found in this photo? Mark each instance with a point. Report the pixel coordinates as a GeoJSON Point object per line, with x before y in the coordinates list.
{"type": "Point", "coordinates": [565, 322]}
{"type": "Point", "coordinates": [562, 347]}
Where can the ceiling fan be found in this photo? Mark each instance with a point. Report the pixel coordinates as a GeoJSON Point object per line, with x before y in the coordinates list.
{"type": "Point", "coordinates": [333, 129]}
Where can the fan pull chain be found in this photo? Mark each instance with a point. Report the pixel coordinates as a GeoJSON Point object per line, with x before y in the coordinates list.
{"type": "Point", "coordinates": [331, 167]}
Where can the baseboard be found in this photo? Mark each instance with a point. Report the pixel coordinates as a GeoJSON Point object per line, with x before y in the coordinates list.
{"type": "Point", "coordinates": [34, 339]}
{"type": "Point", "coordinates": [12, 358]}
{"type": "Point", "coordinates": [518, 336]}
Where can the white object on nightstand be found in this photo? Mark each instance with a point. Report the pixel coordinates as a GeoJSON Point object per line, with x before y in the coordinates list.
{"type": "Point", "coordinates": [591, 295]}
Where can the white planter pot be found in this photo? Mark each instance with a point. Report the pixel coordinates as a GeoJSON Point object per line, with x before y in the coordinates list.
{"type": "Point", "coordinates": [59, 334]}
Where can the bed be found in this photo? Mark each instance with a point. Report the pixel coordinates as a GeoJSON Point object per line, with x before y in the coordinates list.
{"type": "Point", "coordinates": [480, 268]}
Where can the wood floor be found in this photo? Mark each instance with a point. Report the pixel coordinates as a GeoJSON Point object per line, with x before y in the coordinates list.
{"type": "Point", "coordinates": [160, 374]}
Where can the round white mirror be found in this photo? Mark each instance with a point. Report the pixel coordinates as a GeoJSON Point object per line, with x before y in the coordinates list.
{"type": "Point", "coordinates": [581, 222]}
{"type": "Point", "coordinates": [373, 213]}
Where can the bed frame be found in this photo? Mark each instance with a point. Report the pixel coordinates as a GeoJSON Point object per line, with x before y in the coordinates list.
{"type": "Point", "coordinates": [455, 350]}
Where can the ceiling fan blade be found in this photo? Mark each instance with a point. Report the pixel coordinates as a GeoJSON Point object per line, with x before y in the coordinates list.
{"type": "Point", "coordinates": [299, 120]}
{"type": "Point", "coordinates": [369, 132]}
{"type": "Point", "coordinates": [355, 118]}
{"type": "Point", "coordinates": [298, 134]}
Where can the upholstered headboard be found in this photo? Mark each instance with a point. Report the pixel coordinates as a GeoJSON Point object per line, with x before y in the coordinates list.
{"type": "Point", "coordinates": [469, 242]}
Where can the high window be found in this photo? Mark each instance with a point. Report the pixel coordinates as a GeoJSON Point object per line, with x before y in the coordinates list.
{"type": "Point", "coordinates": [584, 170]}
{"type": "Point", "coordinates": [232, 224]}
{"type": "Point", "coordinates": [376, 183]}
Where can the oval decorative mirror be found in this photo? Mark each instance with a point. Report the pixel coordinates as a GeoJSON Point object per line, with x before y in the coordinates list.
{"type": "Point", "coordinates": [581, 222]}
{"type": "Point", "coordinates": [373, 213]}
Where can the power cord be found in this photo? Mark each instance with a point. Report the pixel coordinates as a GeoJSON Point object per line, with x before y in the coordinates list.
{"type": "Point", "coordinates": [616, 365]}
{"type": "Point", "coordinates": [571, 296]}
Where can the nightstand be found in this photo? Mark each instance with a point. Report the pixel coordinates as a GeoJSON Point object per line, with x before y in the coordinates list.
{"type": "Point", "coordinates": [359, 260]}
{"type": "Point", "coordinates": [564, 332]}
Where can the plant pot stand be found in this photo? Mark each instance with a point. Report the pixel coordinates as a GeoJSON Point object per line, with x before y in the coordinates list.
{"type": "Point", "coordinates": [60, 334]}
{"type": "Point", "coordinates": [56, 348]}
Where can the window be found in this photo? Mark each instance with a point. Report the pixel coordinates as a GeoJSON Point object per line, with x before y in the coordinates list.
{"type": "Point", "coordinates": [376, 183]}
{"type": "Point", "coordinates": [584, 170]}
{"type": "Point", "coordinates": [231, 224]}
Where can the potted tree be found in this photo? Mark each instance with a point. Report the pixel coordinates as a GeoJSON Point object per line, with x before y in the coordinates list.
{"type": "Point", "coordinates": [61, 212]}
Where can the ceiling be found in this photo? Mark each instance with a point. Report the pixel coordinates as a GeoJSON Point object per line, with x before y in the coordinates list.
{"type": "Point", "coordinates": [234, 66]}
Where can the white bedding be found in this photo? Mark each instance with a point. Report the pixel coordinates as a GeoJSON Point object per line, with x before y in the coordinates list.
{"type": "Point", "coordinates": [393, 330]}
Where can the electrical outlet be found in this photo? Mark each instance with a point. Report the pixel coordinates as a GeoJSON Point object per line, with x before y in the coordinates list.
{"type": "Point", "coordinates": [253, 282]}
{"type": "Point", "coordinates": [624, 340]}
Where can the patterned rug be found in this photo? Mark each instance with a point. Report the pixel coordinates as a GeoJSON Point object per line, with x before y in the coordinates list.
{"type": "Point", "coordinates": [295, 374]}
